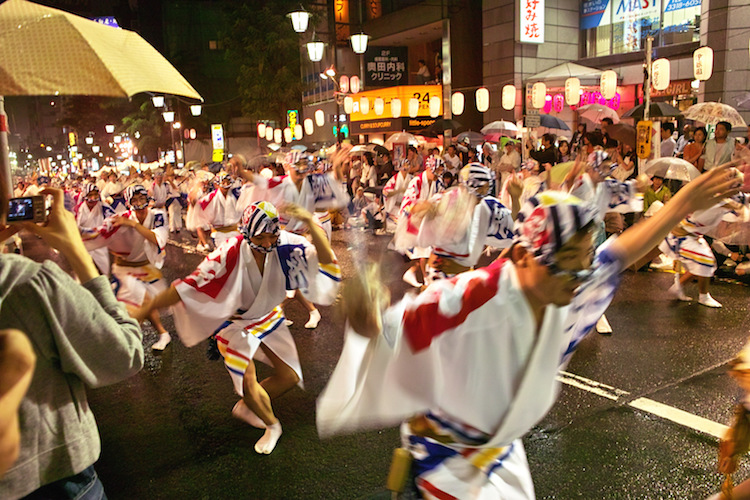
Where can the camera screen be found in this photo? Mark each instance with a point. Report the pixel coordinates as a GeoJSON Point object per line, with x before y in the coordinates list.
{"type": "Point", "coordinates": [20, 209]}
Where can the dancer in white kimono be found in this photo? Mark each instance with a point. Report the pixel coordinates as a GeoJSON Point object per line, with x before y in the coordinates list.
{"type": "Point", "coordinates": [503, 330]}
{"type": "Point", "coordinates": [302, 187]}
{"type": "Point", "coordinates": [137, 239]}
{"type": "Point", "coordinates": [219, 209]}
{"type": "Point", "coordinates": [90, 214]}
{"type": "Point", "coordinates": [235, 294]}
{"type": "Point", "coordinates": [393, 191]}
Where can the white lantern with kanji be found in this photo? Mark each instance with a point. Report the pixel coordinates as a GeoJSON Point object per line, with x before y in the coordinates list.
{"type": "Point", "coordinates": [354, 84]}
{"type": "Point", "coordinates": [277, 135]}
{"type": "Point", "coordinates": [288, 134]}
{"type": "Point", "coordinates": [608, 84]}
{"type": "Point", "coordinates": [435, 102]}
{"type": "Point", "coordinates": [344, 84]}
{"type": "Point", "coordinates": [703, 63]}
{"type": "Point", "coordinates": [364, 105]}
{"type": "Point", "coordinates": [413, 107]}
{"type": "Point", "coordinates": [509, 97]}
{"type": "Point", "coordinates": [572, 91]}
{"type": "Point", "coordinates": [269, 134]}
{"type": "Point", "coordinates": [309, 127]}
{"type": "Point", "coordinates": [538, 95]}
{"type": "Point", "coordinates": [261, 129]}
{"type": "Point", "coordinates": [320, 118]}
{"type": "Point", "coordinates": [396, 108]}
{"type": "Point", "coordinates": [483, 99]}
{"type": "Point", "coordinates": [379, 106]}
{"type": "Point", "coordinates": [660, 74]}
{"type": "Point", "coordinates": [348, 105]}
{"type": "Point", "coordinates": [457, 103]}
{"type": "Point", "coordinates": [298, 132]}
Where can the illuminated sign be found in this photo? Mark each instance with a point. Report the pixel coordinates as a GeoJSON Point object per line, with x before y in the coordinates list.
{"type": "Point", "coordinates": [386, 66]}
{"type": "Point", "coordinates": [341, 19]}
{"type": "Point", "coordinates": [217, 136]}
{"type": "Point", "coordinates": [107, 21]}
{"type": "Point", "coordinates": [532, 21]}
{"type": "Point", "coordinates": [421, 93]}
{"type": "Point", "coordinates": [391, 125]}
{"type": "Point", "coordinates": [374, 9]}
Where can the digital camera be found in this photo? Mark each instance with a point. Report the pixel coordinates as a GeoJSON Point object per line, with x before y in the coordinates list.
{"type": "Point", "coordinates": [27, 208]}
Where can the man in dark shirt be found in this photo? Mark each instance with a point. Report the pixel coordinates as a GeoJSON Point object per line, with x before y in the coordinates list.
{"type": "Point", "coordinates": [547, 155]}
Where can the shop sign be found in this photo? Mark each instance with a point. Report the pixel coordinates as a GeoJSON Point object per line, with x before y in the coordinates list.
{"type": "Point", "coordinates": [386, 66]}
{"type": "Point", "coordinates": [681, 4]}
{"type": "Point", "coordinates": [383, 125]}
{"type": "Point", "coordinates": [680, 87]}
{"type": "Point", "coordinates": [422, 93]}
{"type": "Point", "coordinates": [532, 21]}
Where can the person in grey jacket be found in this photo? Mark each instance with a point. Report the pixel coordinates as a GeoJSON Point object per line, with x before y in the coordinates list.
{"type": "Point", "coordinates": [81, 336]}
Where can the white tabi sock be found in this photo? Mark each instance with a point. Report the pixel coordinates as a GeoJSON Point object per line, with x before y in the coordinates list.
{"type": "Point", "coordinates": [267, 443]}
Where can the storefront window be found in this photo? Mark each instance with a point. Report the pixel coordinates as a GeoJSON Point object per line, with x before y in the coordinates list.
{"type": "Point", "coordinates": [621, 26]}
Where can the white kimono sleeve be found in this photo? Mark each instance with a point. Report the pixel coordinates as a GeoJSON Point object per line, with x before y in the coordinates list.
{"type": "Point", "coordinates": [319, 283]}
{"type": "Point", "coordinates": [156, 254]}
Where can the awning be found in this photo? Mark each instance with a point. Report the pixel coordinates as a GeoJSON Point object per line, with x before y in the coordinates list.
{"type": "Point", "coordinates": [558, 74]}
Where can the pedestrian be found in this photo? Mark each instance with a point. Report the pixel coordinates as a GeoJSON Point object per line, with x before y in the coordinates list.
{"type": "Point", "coordinates": [695, 149]}
{"type": "Point", "coordinates": [719, 149]}
{"type": "Point", "coordinates": [668, 144]}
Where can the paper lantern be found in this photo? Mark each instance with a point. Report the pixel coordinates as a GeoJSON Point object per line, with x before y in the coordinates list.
{"type": "Point", "coordinates": [269, 134]}
{"type": "Point", "coordinates": [288, 134]}
{"type": "Point", "coordinates": [354, 84]}
{"type": "Point", "coordinates": [703, 63]}
{"type": "Point", "coordinates": [483, 99]}
{"type": "Point", "coordinates": [413, 107]}
{"type": "Point", "coordinates": [509, 97]}
{"type": "Point", "coordinates": [309, 127]}
{"type": "Point", "coordinates": [538, 95]}
{"type": "Point", "coordinates": [277, 135]}
{"type": "Point", "coordinates": [364, 105]}
{"type": "Point", "coordinates": [298, 131]}
{"type": "Point", "coordinates": [379, 106]}
{"type": "Point", "coordinates": [608, 84]}
{"type": "Point", "coordinates": [435, 102]}
{"type": "Point", "coordinates": [457, 103]}
{"type": "Point", "coordinates": [396, 108]}
{"type": "Point", "coordinates": [558, 102]}
{"type": "Point", "coordinates": [320, 117]}
{"type": "Point", "coordinates": [344, 84]}
{"type": "Point", "coordinates": [348, 105]}
{"type": "Point", "coordinates": [660, 74]}
{"type": "Point", "coordinates": [261, 129]}
{"type": "Point", "coordinates": [572, 91]}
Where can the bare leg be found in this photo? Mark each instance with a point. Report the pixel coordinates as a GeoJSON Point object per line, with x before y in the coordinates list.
{"type": "Point", "coordinates": [256, 399]}
{"type": "Point", "coordinates": [283, 378]}
{"type": "Point", "coordinates": [155, 320]}
{"type": "Point", "coordinates": [314, 319]}
{"type": "Point", "coordinates": [302, 300]}
{"type": "Point", "coordinates": [740, 492]}
{"type": "Point", "coordinates": [685, 278]}
{"type": "Point", "coordinates": [703, 282]}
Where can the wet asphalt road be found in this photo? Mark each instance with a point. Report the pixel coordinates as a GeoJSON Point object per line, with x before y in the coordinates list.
{"type": "Point", "coordinates": [168, 432]}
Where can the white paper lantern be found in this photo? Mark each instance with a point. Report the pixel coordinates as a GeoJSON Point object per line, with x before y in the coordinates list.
{"type": "Point", "coordinates": [288, 134]}
{"type": "Point", "coordinates": [482, 97]}
{"type": "Point", "coordinates": [261, 129]}
{"type": "Point", "coordinates": [269, 134]}
{"type": "Point", "coordinates": [660, 74]}
{"type": "Point", "coordinates": [309, 127]}
{"type": "Point", "coordinates": [379, 106]}
{"type": "Point", "coordinates": [413, 107]}
{"type": "Point", "coordinates": [344, 84]}
{"type": "Point", "coordinates": [703, 63]}
{"type": "Point", "coordinates": [435, 102]}
{"type": "Point", "coordinates": [348, 105]}
{"type": "Point", "coordinates": [538, 95]}
{"type": "Point", "coordinates": [354, 84]}
{"type": "Point", "coordinates": [277, 135]}
{"type": "Point", "coordinates": [509, 97]}
{"type": "Point", "coordinates": [608, 84]}
{"type": "Point", "coordinates": [298, 132]}
{"type": "Point", "coordinates": [457, 103]}
{"type": "Point", "coordinates": [396, 108]}
{"type": "Point", "coordinates": [320, 117]}
{"type": "Point", "coordinates": [572, 91]}
{"type": "Point", "coordinates": [364, 105]}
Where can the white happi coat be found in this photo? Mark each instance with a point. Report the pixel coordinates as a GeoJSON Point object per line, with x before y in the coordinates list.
{"type": "Point", "coordinates": [318, 192]}
{"type": "Point", "coordinates": [219, 210]}
{"type": "Point", "coordinates": [474, 331]}
{"type": "Point", "coordinates": [133, 283]}
{"type": "Point", "coordinates": [399, 182]}
{"type": "Point", "coordinates": [87, 218]}
{"type": "Point", "coordinates": [112, 194]}
{"type": "Point", "coordinates": [228, 296]}
{"type": "Point", "coordinates": [489, 223]}
{"type": "Point", "coordinates": [160, 193]}
{"type": "Point", "coordinates": [405, 239]}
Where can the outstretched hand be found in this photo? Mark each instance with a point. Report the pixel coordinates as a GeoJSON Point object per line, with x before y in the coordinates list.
{"type": "Point", "coordinates": [294, 211]}
{"type": "Point", "coordinates": [711, 187]}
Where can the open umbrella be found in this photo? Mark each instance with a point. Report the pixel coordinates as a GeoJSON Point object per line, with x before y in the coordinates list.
{"type": "Point", "coordinates": [403, 137]}
{"type": "Point", "coordinates": [672, 168]}
{"type": "Point", "coordinates": [474, 138]}
{"type": "Point", "coordinates": [378, 149]}
{"type": "Point", "coordinates": [595, 113]}
{"type": "Point", "coordinates": [45, 51]}
{"type": "Point", "coordinates": [712, 113]}
{"type": "Point", "coordinates": [656, 110]}
{"type": "Point", "coordinates": [550, 121]}
{"type": "Point", "coordinates": [622, 132]}
{"type": "Point", "coordinates": [500, 127]}
{"type": "Point", "coordinates": [439, 127]}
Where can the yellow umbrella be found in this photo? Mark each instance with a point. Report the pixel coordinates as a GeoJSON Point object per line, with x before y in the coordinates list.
{"type": "Point", "coordinates": [46, 51]}
{"type": "Point", "coordinates": [558, 172]}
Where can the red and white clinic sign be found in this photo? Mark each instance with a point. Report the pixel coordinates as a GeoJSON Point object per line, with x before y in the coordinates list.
{"type": "Point", "coordinates": [532, 21]}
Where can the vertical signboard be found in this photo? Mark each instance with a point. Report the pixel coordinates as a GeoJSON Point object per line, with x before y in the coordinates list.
{"type": "Point", "coordinates": [386, 66]}
{"type": "Point", "coordinates": [532, 21]}
{"type": "Point", "coordinates": [341, 20]}
{"type": "Point", "coordinates": [217, 140]}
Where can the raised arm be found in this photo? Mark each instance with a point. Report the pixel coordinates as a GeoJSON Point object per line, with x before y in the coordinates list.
{"type": "Point", "coordinates": [318, 236]}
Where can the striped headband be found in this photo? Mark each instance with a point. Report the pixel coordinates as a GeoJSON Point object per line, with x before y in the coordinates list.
{"type": "Point", "coordinates": [89, 187]}
{"type": "Point", "coordinates": [133, 190]}
{"type": "Point", "coordinates": [259, 218]}
{"type": "Point", "coordinates": [434, 162]}
{"type": "Point", "coordinates": [549, 220]}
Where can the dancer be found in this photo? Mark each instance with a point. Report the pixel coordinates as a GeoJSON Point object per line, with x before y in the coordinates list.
{"type": "Point", "coordinates": [137, 239]}
{"type": "Point", "coordinates": [90, 215]}
{"type": "Point", "coordinates": [394, 190]}
{"type": "Point", "coordinates": [236, 292]}
{"type": "Point", "coordinates": [503, 331]}
{"type": "Point", "coordinates": [219, 209]}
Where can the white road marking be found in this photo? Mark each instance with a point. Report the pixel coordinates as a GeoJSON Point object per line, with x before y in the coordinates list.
{"type": "Point", "coordinates": [661, 410]}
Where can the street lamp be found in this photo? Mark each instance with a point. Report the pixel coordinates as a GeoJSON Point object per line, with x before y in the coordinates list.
{"type": "Point", "coordinates": [315, 49]}
{"type": "Point", "coordinates": [158, 101]}
{"type": "Point", "coordinates": [359, 42]}
{"type": "Point", "coordinates": [109, 128]}
{"type": "Point", "coordinates": [300, 19]}
{"type": "Point", "coordinates": [196, 109]}
{"type": "Point", "coordinates": [168, 116]}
